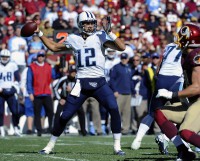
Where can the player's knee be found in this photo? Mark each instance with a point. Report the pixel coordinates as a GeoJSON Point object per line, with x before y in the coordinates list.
{"type": "Point", "coordinates": [186, 134]}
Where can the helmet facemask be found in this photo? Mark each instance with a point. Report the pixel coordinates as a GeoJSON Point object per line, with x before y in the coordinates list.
{"type": "Point", "coordinates": [4, 59]}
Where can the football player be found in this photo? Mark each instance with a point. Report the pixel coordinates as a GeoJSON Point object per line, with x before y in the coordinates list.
{"type": "Point", "coordinates": [9, 76]}
{"type": "Point", "coordinates": [170, 79]}
{"type": "Point", "coordinates": [186, 117]}
{"type": "Point", "coordinates": [89, 48]}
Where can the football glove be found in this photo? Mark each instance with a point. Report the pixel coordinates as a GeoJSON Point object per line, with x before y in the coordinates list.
{"type": "Point", "coordinates": [164, 93]}
{"type": "Point", "coordinates": [106, 23]}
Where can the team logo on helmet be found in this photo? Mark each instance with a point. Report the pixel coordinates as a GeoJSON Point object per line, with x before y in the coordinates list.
{"type": "Point", "coordinates": [196, 59]}
{"type": "Point", "coordinates": [188, 36]}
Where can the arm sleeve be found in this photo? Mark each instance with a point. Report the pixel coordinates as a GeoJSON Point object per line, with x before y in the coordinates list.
{"type": "Point", "coordinates": [30, 81]}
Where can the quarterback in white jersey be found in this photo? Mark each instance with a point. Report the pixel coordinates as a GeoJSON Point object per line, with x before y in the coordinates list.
{"type": "Point", "coordinates": [89, 50]}
{"type": "Point", "coordinates": [9, 75]}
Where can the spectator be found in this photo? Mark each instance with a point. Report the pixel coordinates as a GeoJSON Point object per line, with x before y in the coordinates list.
{"type": "Point", "coordinates": [196, 13]}
{"type": "Point", "coordinates": [10, 18]}
{"type": "Point", "coordinates": [152, 23]}
{"type": "Point", "coordinates": [72, 27]}
{"type": "Point", "coordinates": [53, 14]}
{"type": "Point", "coordinates": [34, 47]}
{"type": "Point", "coordinates": [59, 23]}
{"type": "Point", "coordinates": [39, 78]}
{"type": "Point", "coordinates": [90, 7]}
{"type": "Point", "coordinates": [121, 73]}
{"type": "Point", "coordinates": [28, 104]}
{"type": "Point", "coordinates": [10, 32]}
{"type": "Point", "coordinates": [47, 29]}
{"type": "Point", "coordinates": [46, 10]}
{"type": "Point", "coordinates": [19, 21]}
{"type": "Point", "coordinates": [18, 48]}
{"type": "Point", "coordinates": [70, 13]}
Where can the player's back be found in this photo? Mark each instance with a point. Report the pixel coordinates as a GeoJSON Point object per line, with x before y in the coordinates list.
{"type": "Point", "coordinates": [171, 63]}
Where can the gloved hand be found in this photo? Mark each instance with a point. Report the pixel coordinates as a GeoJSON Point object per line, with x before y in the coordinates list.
{"type": "Point", "coordinates": [164, 93]}
{"type": "Point", "coordinates": [101, 35]}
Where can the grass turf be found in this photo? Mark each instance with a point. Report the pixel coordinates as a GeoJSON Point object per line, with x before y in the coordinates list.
{"type": "Point", "coordinates": [78, 148]}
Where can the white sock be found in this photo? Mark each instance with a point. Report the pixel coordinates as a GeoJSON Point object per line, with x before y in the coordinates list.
{"type": "Point", "coordinates": [143, 128]}
{"type": "Point", "coordinates": [117, 140]}
{"type": "Point", "coordinates": [51, 143]}
{"type": "Point", "coordinates": [177, 140]}
{"type": "Point", "coordinates": [2, 131]}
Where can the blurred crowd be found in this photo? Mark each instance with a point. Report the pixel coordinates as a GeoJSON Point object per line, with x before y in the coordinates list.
{"type": "Point", "coordinates": [146, 26]}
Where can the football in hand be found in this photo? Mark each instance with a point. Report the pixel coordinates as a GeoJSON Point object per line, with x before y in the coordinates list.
{"type": "Point", "coordinates": [28, 29]}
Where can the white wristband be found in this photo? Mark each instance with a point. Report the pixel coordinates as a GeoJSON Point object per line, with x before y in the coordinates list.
{"type": "Point", "coordinates": [112, 36]}
{"type": "Point", "coordinates": [40, 34]}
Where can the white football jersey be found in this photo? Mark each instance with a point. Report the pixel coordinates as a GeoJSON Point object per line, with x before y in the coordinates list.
{"type": "Point", "coordinates": [171, 64]}
{"type": "Point", "coordinates": [89, 54]}
{"type": "Point", "coordinates": [7, 74]}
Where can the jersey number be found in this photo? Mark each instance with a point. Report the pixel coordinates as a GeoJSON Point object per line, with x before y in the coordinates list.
{"type": "Point", "coordinates": [169, 50]}
{"type": "Point", "coordinates": [86, 61]}
{"type": "Point", "coordinates": [8, 77]}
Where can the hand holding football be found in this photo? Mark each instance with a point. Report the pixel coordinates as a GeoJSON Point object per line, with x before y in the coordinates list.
{"type": "Point", "coordinates": [28, 29]}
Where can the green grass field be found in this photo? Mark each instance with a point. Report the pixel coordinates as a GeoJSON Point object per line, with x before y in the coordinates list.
{"type": "Point", "coordinates": [78, 148]}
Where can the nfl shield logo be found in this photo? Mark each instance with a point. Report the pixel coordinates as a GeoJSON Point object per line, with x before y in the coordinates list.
{"type": "Point", "coordinates": [93, 84]}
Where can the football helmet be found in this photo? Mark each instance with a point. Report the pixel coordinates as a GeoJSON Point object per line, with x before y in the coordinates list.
{"type": "Point", "coordinates": [85, 17]}
{"type": "Point", "coordinates": [5, 56]}
{"type": "Point", "coordinates": [188, 36]}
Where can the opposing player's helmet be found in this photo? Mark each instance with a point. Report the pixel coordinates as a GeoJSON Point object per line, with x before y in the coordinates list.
{"type": "Point", "coordinates": [5, 56]}
{"type": "Point", "coordinates": [188, 36]}
{"type": "Point", "coordinates": [86, 17]}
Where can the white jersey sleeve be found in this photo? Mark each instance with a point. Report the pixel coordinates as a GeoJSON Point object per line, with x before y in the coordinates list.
{"type": "Point", "coordinates": [171, 63]}
{"type": "Point", "coordinates": [89, 54]}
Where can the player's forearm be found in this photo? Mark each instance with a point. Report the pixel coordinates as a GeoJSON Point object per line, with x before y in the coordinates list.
{"type": "Point", "coordinates": [119, 44]}
{"type": "Point", "coordinates": [190, 91]}
{"type": "Point", "coordinates": [50, 44]}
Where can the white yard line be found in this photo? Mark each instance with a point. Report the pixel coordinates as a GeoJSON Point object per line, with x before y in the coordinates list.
{"type": "Point", "coordinates": [46, 156]}
{"type": "Point", "coordinates": [65, 158]}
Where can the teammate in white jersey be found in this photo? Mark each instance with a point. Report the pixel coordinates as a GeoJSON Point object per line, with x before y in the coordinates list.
{"type": "Point", "coordinates": [170, 76]}
{"type": "Point", "coordinates": [89, 48]}
{"type": "Point", "coordinates": [9, 76]}
{"type": "Point", "coordinates": [167, 77]}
